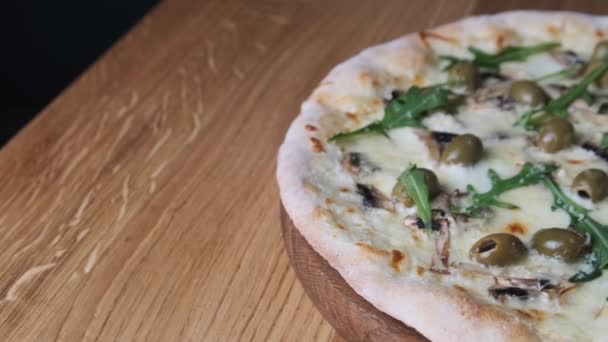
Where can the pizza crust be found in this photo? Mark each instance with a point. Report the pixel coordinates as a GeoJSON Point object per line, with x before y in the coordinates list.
{"type": "Point", "coordinates": [438, 312]}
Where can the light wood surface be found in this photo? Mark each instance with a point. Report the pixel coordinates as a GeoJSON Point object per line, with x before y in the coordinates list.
{"type": "Point", "coordinates": [142, 205]}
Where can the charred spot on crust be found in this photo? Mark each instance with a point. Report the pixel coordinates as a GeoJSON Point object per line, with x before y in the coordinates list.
{"type": "Point", "coordinates": [396, 260]}
{"type": "Point", "coordinates": [355, 163]}
{"type": "Point", "coordinates": [371, 196]}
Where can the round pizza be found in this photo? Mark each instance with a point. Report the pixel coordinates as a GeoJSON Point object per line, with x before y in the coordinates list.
{"type": "Point", "coordinates": [457, 177]}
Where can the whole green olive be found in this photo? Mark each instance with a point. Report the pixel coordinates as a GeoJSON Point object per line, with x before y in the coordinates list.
{"type": "Point", "coordinates": [464, 149]}
{"type": "Point", "coordinates": [600, 52]}
{"type": "Point", "coordinates": [499, 249]}
{"type": "Point", "coordinates": [432, 183]}
{"type": "Point", "coordinates": [527, 93]}
{"type": "Point", "coordinates": [555, 134]}
{"type": "Point", "coordinates": [465, 73]}
{"type": "Point", "coordinates": [601, 82]}
{"type": "Point", "coordinates": [565, 244]}
{"type": "Point", "coordinates": [592, 184]}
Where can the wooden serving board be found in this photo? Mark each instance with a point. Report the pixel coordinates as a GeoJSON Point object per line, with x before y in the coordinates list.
{"type": "Point", "coordinates": [354, 318]}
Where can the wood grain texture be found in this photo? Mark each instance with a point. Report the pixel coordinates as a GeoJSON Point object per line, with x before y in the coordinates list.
{"type": "Point", "coordinates": [142, 205]}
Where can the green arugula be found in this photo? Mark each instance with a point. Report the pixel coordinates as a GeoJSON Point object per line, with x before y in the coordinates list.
{"type": "Point", "coordinates": [567, 72]}
{"type": "Point", "coordinates": [493, 61]}
{"type": "Point", "coordinates": [604, 142]}
{"type": "Point", "coordinates": [407, 110]}
{"type": "Point", "coordinates": [583, 223]}
{"type": "Point", "coordinates": [528, 175]}
{"type": "Point", "coordinates": [508, 54]}
{"type": "Point", "coordinates": [412, 179]}
{"type": "Point", "coordinates": [532, 119]}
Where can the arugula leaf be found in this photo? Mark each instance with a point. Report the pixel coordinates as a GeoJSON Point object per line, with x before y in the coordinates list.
{"type": "Point", "coordinates": [451, 60]}
{"type": "Point", "coordinates": [559, 106]}
{"type": "Point", "coordinates": [508, 54]}
{"type": "Point", "coordinates": [567, 72]}
{"type": "Point", "coordinates": [528, 175]}
{"type": "Point", "coordinates": [583, 223]}
{"type": "Point", "coordinates": [407, 110]}
{"type": "Point", "coordinates": [412, 179]}
{"type": "Point", "coordinates": [604, 142]}
{"type": "Point", "coordinates": [493, 61]}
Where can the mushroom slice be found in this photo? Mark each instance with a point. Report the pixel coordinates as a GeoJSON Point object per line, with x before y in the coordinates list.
{"type": "Point", "coordinates": [567, 58]}
{"type": "Point", "coordinates": [440, 259]}
{"type": "Point", "coordinates": [524, 288]}
{"type": "Point", "coordinates": [374, 198]}
{"type": "Point", "coordinates": [357, 163]}
{"type": "Point", "coordinates": [495, 93]}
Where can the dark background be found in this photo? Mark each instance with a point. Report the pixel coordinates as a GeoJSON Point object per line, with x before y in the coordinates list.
{"type": "Point", "coordinates": [46, 44]}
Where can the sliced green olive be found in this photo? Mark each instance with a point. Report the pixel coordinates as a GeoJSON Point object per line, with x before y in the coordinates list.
{"type": "Point", "coordinates": [592, 184]}
{"type": "Point", "coordinates": [600, 52]}
{"type": "Point", "coordinates": [565, 244]}
{"type": "Point", "coordinates": [465, 73]}
{"type": "Point", "coordinates": [499, 249]}
{"type": "Point", "coordinates": [556, 134]}
{"type": "Point", "coordinates": [527, 93]}
{"type": "Point", "coordinates": [432, 183]}
{"type": "Point", "coordinates": [464, 149]}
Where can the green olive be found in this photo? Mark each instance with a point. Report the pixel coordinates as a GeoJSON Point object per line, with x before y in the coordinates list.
{"type": "Point", "coordinates": [464, 149]}
{"type": "Point", "coordinates": [556, 134]}
{"type": "Point", "coordinates": [527, 93]}
{"type": "Point", "coordinates": [601, 82]}
{"type": "Point", "coordinates": [464, 72]}
{"type": "Point", "coordinates": [600, 52]}
{"type": "Point", "coordinates": [592, 184]}
{"type": "Point", "coordinates": [432, 184]}
{"type": "Point", "coordinates": [499, 249]}
{"type": "Point", "coordinates": [565, 244]}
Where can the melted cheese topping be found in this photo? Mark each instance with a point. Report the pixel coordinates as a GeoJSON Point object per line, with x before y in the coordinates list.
{"type": "Point", "coordinates": [579, 314]}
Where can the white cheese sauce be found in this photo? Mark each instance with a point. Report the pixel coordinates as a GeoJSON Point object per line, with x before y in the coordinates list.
{"type": "Point", "coordinates": [580, 313]}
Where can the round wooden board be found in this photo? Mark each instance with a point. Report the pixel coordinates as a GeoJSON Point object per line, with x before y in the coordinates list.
{"type": "Point", "coordinates": [353, 317]}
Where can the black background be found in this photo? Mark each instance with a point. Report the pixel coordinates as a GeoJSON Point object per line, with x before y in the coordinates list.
{"type": "Point", "coordinates": [46, 44]}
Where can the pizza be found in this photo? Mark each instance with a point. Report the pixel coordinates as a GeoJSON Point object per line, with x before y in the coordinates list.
{"type": "Point", "coordinates": [457, 177]}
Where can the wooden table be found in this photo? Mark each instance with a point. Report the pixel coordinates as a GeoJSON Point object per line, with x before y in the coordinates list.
{"type": "Point", "coordinates": [142, 204]}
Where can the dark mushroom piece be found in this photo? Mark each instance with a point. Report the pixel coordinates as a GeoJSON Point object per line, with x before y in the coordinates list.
{"type": "Point", "coordinates": [357, 163]}
{"type": "Point", "coordinates": [374, 198]}
{"type": "Point", "coordinates": [565, 244]}
{"type": "Point", "coordinates": [498, 249]}
{"type": "Point", "coordinates": [556, 134]}
{"type": "Point", "coordinates": [399, 193]}
{"type": "Point", "coordinates": [527, 93]}
{"type": "Point", "coordinates": [600, 153]}
{"type": "Point", "coordinates": [592, 184]}
{"type": "Point", "coordinates": [465, 73]}
{"type": "Point", "coordinates": [465, 149]}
